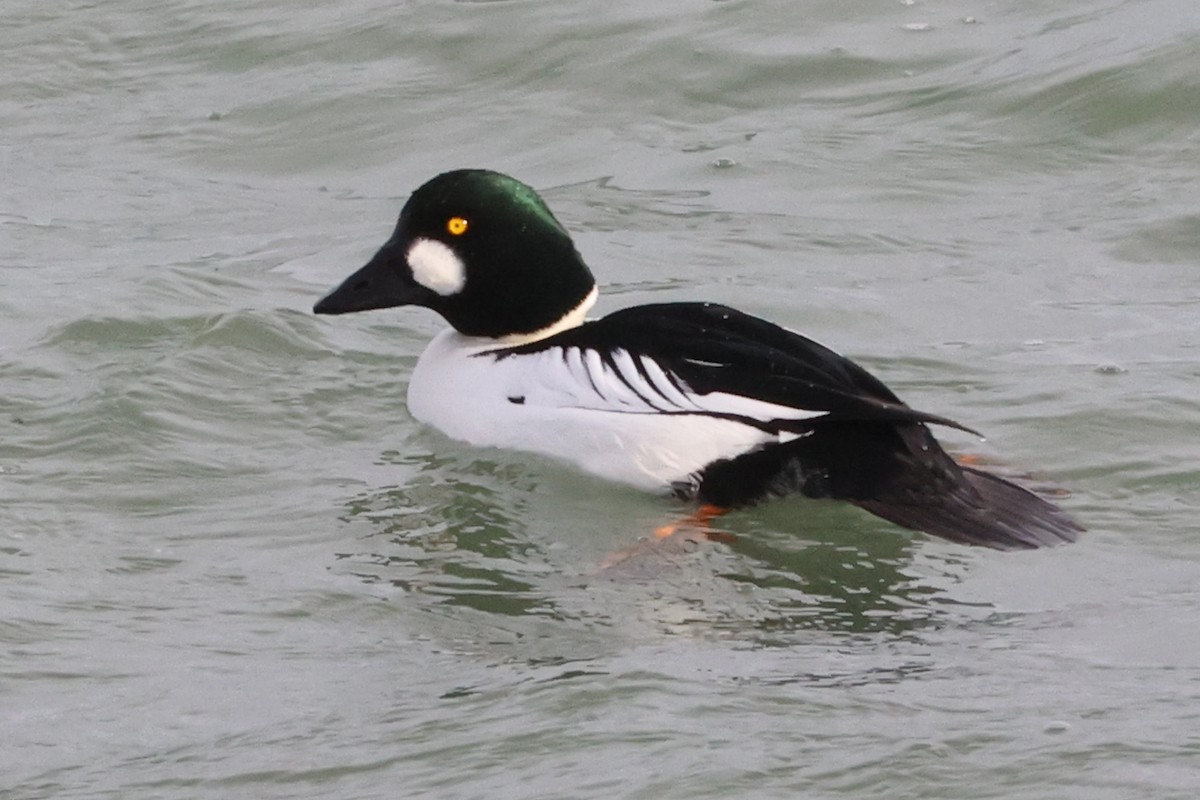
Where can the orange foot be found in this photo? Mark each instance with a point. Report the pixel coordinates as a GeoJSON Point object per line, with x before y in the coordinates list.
{"type": "Point", "coordinates": [675, 536]}
{"type": "Point", "coordinates": [1024, 478]}
{"type": "Point", "coordinates": [698, 521]}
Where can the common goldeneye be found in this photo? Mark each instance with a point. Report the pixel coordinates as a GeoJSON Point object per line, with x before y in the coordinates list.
{"type": "Point", "coordinates": [699, 398]}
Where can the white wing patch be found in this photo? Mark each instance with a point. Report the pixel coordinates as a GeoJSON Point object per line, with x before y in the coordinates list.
{"type": "Point", "coordinates": [574, 377]}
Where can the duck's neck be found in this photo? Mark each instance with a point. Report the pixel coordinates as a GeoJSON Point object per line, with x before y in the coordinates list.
{"type": "Point", "coordinates": [572, 319]}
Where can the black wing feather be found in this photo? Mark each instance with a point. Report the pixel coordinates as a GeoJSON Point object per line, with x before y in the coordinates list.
{"type": "Point", "coordinates": [715, 348]}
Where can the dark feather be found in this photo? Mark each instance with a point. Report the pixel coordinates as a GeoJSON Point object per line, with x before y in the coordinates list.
{"type": "Point", "coordinates": [869, 448]}
{"type": "Point", "coordinates": [898, 472]}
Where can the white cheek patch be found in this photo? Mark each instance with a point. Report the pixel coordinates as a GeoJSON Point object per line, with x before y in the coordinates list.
{"type": "Point", "coordinates": [436, 267]}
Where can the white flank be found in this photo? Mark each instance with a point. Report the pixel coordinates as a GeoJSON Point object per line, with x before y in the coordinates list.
{"type": "Point", "coordinates": [637, 426]}
{"type": "Point", "coordinates": [436, 267]}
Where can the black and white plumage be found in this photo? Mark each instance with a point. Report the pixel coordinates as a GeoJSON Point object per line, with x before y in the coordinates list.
{"type": "Point", "coordinates": [698, 398]}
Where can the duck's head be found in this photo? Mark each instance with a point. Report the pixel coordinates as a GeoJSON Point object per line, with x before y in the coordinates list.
{"type": "Point", "coordinates": [481, 249]}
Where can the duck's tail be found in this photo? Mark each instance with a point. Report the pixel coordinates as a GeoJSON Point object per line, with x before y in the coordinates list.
{"type": "Point", "coordinates": [984, 509]}
{"type": "Point", "coordinates": [898, 472]}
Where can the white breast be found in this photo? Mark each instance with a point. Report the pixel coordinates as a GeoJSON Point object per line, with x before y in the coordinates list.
{"type": "Point", "coordinates": [633, 426]}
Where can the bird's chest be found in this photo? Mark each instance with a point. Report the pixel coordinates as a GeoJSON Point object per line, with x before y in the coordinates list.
{"type": "Point", "coordinates": [466, 395]}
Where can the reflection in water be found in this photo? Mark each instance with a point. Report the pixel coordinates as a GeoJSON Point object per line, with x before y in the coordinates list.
{"type": "Point", "coordinates": [448, 534]}
{"type": "Point", "coordinates": [851, 574]}
{"type": "Point", "coordinates": [477, 536]}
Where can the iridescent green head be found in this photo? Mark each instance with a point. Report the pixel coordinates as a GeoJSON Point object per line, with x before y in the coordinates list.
{"type": "Point", "coordinates": [480, 248]}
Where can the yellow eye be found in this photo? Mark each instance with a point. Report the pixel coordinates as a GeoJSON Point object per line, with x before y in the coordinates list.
{"type": "Point", "coordinates": [457, 226]}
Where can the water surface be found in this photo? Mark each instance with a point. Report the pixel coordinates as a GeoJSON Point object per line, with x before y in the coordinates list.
{"type": "Point", "coordinates": [233, 565]}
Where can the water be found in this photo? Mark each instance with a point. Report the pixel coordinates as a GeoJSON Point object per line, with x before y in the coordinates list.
{"type": "Point", "coordinates": [231, 564]}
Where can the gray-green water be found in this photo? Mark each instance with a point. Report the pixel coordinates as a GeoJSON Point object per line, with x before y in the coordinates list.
{"type": "Point", "coordinates": [231, 565]}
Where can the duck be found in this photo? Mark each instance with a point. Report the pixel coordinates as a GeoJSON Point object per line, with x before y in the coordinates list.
{"type": "Point", "coordinates": [698, 400]}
